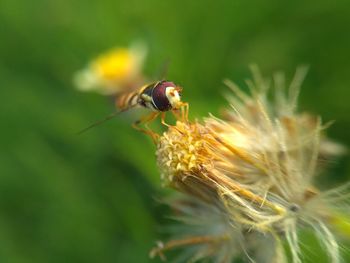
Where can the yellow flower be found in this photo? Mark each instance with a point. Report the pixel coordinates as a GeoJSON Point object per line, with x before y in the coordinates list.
{"type": "Point", "coordinates": [114, 71]}
{"type": "Point", "coordinates": [258, 166]}
{"type": "Point", "coordinates": [116, 64]}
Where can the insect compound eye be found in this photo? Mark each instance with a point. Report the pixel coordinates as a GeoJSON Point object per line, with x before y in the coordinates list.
{"type": "Point", "coordinates": [159, 96]}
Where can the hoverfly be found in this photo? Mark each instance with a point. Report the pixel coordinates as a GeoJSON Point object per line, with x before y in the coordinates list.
{"type": "Point", "coordinates": [159, 97]}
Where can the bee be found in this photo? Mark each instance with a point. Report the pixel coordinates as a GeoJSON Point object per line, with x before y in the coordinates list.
{"type": "Point", "coordinates": [159, 97]}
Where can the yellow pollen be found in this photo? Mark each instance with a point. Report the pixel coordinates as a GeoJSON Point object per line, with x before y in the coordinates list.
{"type": "Point", "coordinates": [179, 149]}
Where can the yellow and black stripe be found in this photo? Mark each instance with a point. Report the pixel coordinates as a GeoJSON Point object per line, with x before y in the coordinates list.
{"type": "Point", "coordinates": [142, 97]}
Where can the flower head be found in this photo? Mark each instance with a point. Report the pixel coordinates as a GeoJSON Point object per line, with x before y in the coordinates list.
{"type": "Point", "coordinates": [114, 71]}
{"type": "Point", "coordinates": [258, 167]}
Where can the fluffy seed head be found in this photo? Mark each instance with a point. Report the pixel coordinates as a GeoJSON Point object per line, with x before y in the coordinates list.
{"type": "Point", "coordinates": [258, 164]}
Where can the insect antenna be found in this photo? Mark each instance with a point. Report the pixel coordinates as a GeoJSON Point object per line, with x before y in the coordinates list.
{"type": "Point", "coordinates": [163, 69]}
{"type": "Point", "coordinates": [107, 118]}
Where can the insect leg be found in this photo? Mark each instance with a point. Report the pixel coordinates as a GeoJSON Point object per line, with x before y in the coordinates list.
{"type": "Point", "coordinates": [150, 119]}
{"type": "Point", "coordinates": [162, 120]}
{"type": "Point", "coordinates": [146, 119]}
{"type": "Point", "coordinates": [176, 114]}
{"type": "Point", "coordinates": [187, 105]}
{"type": "Point", "coordinates": [185, 110]}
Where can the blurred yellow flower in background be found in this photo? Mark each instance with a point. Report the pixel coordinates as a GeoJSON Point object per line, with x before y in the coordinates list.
{"type": "Point", "coordinates": [114, 71]}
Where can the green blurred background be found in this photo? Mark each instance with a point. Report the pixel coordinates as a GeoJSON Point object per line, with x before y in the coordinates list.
{"type": "Point", "coordinates": [92, 198]}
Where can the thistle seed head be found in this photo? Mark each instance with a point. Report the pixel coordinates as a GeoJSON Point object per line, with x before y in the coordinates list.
{"type": "Point", "coordinates": [258, 165]}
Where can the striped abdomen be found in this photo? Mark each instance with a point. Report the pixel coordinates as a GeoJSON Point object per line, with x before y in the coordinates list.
{"type": "Point", "coordinates": [128, 100]}
{"type": "Point", "coordinates": [132, 99]}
